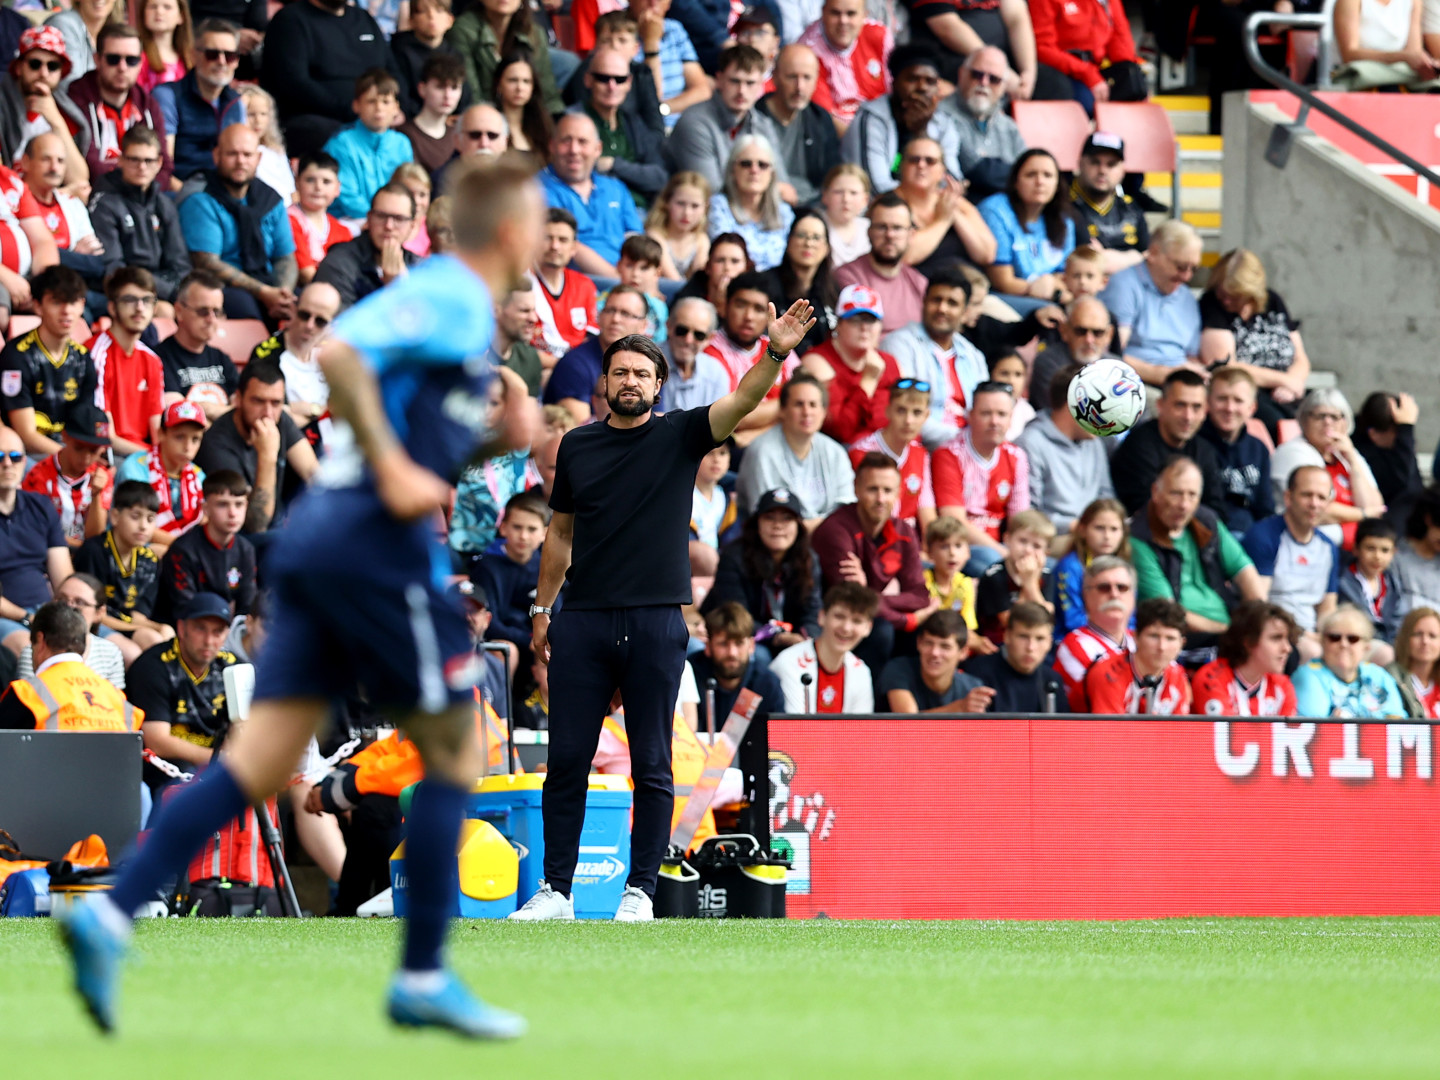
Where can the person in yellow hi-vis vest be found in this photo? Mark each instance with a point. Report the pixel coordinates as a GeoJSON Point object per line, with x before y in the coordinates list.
{"type": "Point", "coordinates": [64, 694]}
{"type": "Point", "coordinates": [687, 762]}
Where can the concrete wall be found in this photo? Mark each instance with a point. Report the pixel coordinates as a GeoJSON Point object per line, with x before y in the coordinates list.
{"type": "Point", "coordinates": [1355, 258]}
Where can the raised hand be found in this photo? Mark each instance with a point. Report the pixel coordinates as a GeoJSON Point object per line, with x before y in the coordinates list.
{"type": "Point", "coordinates": [790, 329]}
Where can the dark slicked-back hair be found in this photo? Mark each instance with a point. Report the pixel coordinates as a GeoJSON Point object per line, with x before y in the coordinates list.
{"type": "Point", "coordinates": [638, 343]}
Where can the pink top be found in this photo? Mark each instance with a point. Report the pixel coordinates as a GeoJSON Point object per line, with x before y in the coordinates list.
{"type": "Point", "coordinates": [150, 78]}
{"type": "Point", "coordinates": [419, 244]}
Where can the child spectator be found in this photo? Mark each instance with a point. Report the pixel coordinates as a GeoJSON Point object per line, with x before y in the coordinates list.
{"type": "Point", "coordinates": [1100, 530]}
{"type": "Point", "coordinates": [129, 373]}
{"type": "Point", "coordinates": [439, 227]}
{"type": "Point", "coordinates": [569, 295]}
{"type": "Point", "coordinates": [1022, 680]}
{"type": "Point", "coordinates": [122, 560]}
{"type": "Point", "coordinates": [677, 221]}
{"type": "Point", "coordinates": [840, 681]}
{"type": "Point", "coordinates": [931, 681]}
{"type": "Point", "coordinates": [315, 229]}
{"type": "Point", "coordinates": [1367, 581]}
{"type": "Point", "coordinates": [368, 150]}
{"type": "Point", "coordinates": [949, 587]}
{"type": "Point", "coordinates": [274, 167]}
{"type": "Point", "coordinates": [980, 477]}
{"type": "Point", "coordinates": [1149, 681]}
{"type": "Point", "coordinates": [639, 267]}
{"type": "Point", "coordinates": [1009, 367]}
{"type": "Point", "coordinates": [213, 558]}
{"type": "Point", "coordinates": [167, 469]}
{"type": "Point", "coordinates": [1020, 576]}
{"type": "Point", "coordinates": [509, 578]}
{"type": "Point", "coordinates": [482, 492]}
{"type": "Point", "coordinates": [44, 374]}
{"type": "Point", "coordinates": [1085, 273]}
{"type": "Point", "coordinates": [905, 415]}
{"type": "Point", "coordinates": [441, 86]}
{"type": "Point", "coordinates": [712, 510]}
{"type": "Point", "coordinates": [1248, 677]}
{"type": "Point", "coordinates": [166, 36]}
{"type": "Point", "coordinates": [430, 20]}
{"type": "Point", "coordinates": [416, 180]}
{"type": "Point", "coordinates": [73, 479]}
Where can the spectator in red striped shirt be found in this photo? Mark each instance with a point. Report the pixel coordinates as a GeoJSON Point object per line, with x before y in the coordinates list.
{"type": "Point", "coordinates": [129, 373]}
{"type": "Point", "coordinates": [315, 229]}
{"type": "Point", "coordinates": [73, 479]}
{"type": "Point", "coordinates": [1148, 681]}
{"type": "Point", "coordinates": [899, 440]}
{"type": "Point", "coordinates": [980, 478]}
{"type": "Point", "coordinates": [854, 54]}
{"type": "Point", "coordinates": [1109, 592]}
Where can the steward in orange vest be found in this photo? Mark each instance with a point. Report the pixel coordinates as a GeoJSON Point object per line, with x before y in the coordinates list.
{"type": "Point", "coordinates": [687, 762]}
{"type": "Point", "coordinates": [64, 694]}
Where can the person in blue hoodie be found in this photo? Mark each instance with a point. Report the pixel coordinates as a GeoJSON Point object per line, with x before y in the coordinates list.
{"type": "Point", "coordinates": [369, 150]}
{"type": "Point", "coordinates": [1244, 460]}
{"type": "Point", "coordinates": [510, 577]}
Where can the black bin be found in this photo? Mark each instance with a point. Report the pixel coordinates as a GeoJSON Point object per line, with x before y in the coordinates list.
{"type": "Point", "coordinates": [738, 879]}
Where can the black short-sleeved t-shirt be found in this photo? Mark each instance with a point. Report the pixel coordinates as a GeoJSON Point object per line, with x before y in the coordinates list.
{"type": "Point", "coordinates": [982, 16]}
{"type": "Point", "coordinates": [185, 370]}
{"type": "Point", "coordinates": [1263, 339]}
{"type": "Point", "coordinates": [225, 448]}
{"type": "Point", "coordinates": [129, 590]}
{"type": "Point", "coordinates": [31, 377]}
{"type": "Point", "coordinates": [631, 491]}
{"type": "Point", "coordinates": [903, 673]}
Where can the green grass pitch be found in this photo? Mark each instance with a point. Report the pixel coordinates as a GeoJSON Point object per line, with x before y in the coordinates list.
{"type": "Point", "coordinates": [745, 1000]}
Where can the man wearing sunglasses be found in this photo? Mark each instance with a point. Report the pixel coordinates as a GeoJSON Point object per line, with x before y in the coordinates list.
{"type": "Point", "coordinates": [202, 104]}
{"type": "Point", "coordinates": [306, 392]}
{"type": "Point", "coordinates": [1108, 590]}
{"type": "Point", "coordinates": [630, 150]}
{"type": "Point", "coordinates": [113, 102]}
{"type": "Point", "coordinates": [32, 102]}
{"type": "Point", "coordinates": [696, 377]}
{"type": "Point", "coordinates": [989, 140]}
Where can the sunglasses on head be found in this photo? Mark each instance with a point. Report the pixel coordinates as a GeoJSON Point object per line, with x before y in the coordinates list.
{"type": "Point", "coordinates": [1348, 639]}
{"type": "Point", "coordinates": [320, 321]}
{"type": "Point", "coordinates": [116, 59]}
{"type": "Point", "coordinates": [13, 457]}
{"type": "Point", "coordinates": [912, 384]}
{"type": "Point", "coordinates": [613, 80]}
{"type": "Point", "coordinates": [221, 56]}
{"type": "Point", "coordinates": [686, 332]}
{"type": "Point", "coordinates": [993, 386]}
{"type": "Point", "coordinates": [36, 64]}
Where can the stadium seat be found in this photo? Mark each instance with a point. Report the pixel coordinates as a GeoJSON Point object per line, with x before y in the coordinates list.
{"type": "Point", "coordinates": [1059, 126]}
{"type": "Point", "coordinates": [1289, 429]}
{"type": "Point", "coordinates": [21, 325]}
{"type": "Point", "coordinates": [1256, 427]}
{"type": "Point", "coordinates": [1302, 49]}
{"type": "Point", "coordinates": [1150, 145]}
{"type": "Point", "coordinates": [564, 31]}
{"type": "Point", "coordinates": [237, 338]}
{"type": "Point", "coordinates": [100, 325]}
{"type": "Point", "coordinates": [164, 327]}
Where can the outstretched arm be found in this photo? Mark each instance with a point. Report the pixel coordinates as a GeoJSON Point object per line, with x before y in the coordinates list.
{"type": "Point", "coordinates": [785, 333]}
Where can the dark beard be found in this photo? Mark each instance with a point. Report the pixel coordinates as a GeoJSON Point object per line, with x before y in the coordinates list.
{"type": "Point", "coordinates": [639, 407]}
{"type": "Point", "coordinates": [881, 260]}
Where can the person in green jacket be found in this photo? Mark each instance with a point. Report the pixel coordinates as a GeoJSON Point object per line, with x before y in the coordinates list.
{"type": "Point", "coordinates": [493, 29]}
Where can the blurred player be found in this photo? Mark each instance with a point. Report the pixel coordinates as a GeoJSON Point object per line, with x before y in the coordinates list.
{"type": "Point", "coordinates": [358, 581]}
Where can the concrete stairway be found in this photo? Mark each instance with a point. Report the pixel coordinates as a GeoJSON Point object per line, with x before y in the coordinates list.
{"type": "Point", "coordinates": [1200, 176]}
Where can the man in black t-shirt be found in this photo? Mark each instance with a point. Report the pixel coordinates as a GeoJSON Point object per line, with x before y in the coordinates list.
{"type": "Point", "coordinates": [1109, 215]}
{"type": "Point", "coordinates": [194, 369]}
{"type": "Point", "coordinates": [258, 440]}
{"type": "Point", "coordinates": [181, 686]}
{"type": "Point", "coordinates": [932, 682]}
{"type": "Point", "coordinates": [620, 538]}
{"type": "Point", "coordinates": [959, 27]}
{"type": "Point", "coordinates": [43, 374]}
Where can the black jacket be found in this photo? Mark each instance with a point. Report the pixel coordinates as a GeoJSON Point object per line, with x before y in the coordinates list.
{"type": "Point", "coordinates": [410, 56]}
{"type": "Point", "coordinates": [801, 609]}
{"type": "Point", "coordinates": [645, 172]}
{"type": "Point", "coordinates": [822, 144]}
{"type": "Point", "coordinates": [1040, 691]}
{"type": "Point", "coordinates": [312, 59]}
{"type": "Point", "coordinates": [642, 102]}
{"type": "Point", "coordinates": [139, 228]}
{"type": "Point", "coordinates": [1204, 527]}
{"type": "Point", "coordinates": [1397, 473]}
{"type": "Point", "coordinates": [351, 268]}
{"type": "Point", "coordinates": [1352, 592]}
{"type": "Point", "coordinates": [1143, 455]}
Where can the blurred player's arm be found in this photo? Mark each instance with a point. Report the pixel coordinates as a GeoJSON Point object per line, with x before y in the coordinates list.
{"type": "Point", "coordinates": [554, 562]}
{"type": "Point", "coordinates": [784, 333]}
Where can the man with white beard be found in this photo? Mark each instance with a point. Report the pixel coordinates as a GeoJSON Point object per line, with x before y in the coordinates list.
{"type": "Point", "coordinates": [989, 140]}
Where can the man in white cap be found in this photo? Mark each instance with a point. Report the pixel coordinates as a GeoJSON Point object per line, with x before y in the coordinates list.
{"type": "Point", "coordinates": [856, 374]}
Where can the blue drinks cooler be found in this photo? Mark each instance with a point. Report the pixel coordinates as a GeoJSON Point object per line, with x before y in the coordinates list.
{"type": "Point", "coordinates": [512, 805]}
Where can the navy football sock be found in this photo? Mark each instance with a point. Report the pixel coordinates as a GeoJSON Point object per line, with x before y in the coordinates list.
{"type": "Point", "coordinates": [182, 826]}
{"type": "Point", "coordinates": [432, 833]}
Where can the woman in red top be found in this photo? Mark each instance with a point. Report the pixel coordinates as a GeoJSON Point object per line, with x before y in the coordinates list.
{"type": "Point", "coordinates": [857, 375]}
{"type": "Point", "coordinates": [1249, 677]}
{"type": "Point", "coordinates": [1417, 663]}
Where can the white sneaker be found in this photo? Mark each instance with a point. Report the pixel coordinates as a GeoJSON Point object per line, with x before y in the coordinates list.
{"type": "Point", "coordinates": [635, 906]}
{"type": "Point", "coordinates": [545, 906]}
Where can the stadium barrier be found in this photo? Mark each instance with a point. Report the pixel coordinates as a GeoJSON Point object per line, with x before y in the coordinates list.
{"type": "Point", "coordinates": [1066, 817]}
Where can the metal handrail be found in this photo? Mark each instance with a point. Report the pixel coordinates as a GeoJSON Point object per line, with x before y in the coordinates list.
{"type": "Point", "coordinates": [1308, 98]}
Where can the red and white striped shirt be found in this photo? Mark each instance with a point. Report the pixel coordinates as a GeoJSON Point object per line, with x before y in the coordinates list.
{"type": "Point", "coordinates": [990, 491]}
{"type": "Point", "coordinates": [1078, 652]}
{"type": "Point", "coordinates": [310, 243]}
{"type": "Point", "coordinates": [737, 361]}
{"type": "Point", "coordinates": [1112, 689]}
{"type": "Point", "coordinates": [1219, 692]}
{"type": "Point", "coordinates": [70, 495]}
{"type": "Point", "coordinates": [916, 488]}
{"type": "Point", "coordinates": [851, 77]}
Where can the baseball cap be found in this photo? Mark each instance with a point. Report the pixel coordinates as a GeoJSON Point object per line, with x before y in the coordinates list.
{"type": "Point", "coordinates": [88, 424]}
{"type": "Point", "coordinates": [183, 412]}
{"type": "Point", "coordinates": [470, 593]}
{"type": "Point", "coordinates": [48, 38]}
{"type": "Point", "coordinates": [780, 499]}
{"type": "Point", "coordinates": [204, 605]}
{"type": "Point", "coordinates": [756, 16]}
{"type": "Point", "coordinates": [1106, 141]}
{"type": "Point", "coordinates": [859, 300]}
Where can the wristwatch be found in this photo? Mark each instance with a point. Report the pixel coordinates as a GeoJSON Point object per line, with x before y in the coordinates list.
{"type": "Point", "coordinates": [536, 609]}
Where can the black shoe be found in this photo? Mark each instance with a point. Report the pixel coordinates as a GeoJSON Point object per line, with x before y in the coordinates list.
{"type": "Point", "coordinates": [1148, 203]}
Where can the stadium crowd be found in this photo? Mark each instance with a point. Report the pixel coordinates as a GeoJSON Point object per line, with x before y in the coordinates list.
{"type": "Point", "coordinates": [912, 522]}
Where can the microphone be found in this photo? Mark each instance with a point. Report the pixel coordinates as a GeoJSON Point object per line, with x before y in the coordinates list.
{"type": "Point", "coordinates": [710, 685]}
{"type": "Point", "coordinates": [807, 680]}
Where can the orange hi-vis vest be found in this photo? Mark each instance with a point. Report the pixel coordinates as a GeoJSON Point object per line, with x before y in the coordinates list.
{"type": "Point", "coordinates": [389, 765]}
{"type": "Point", "coordinates": [687, 762]}
{"type": "Point", "coordinates": [71, 697]}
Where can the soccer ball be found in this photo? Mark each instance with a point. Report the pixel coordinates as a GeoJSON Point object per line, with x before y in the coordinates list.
{"type": "Point", "coordinates": [1106, 397]}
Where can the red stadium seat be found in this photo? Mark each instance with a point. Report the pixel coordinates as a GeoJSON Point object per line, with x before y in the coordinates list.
{"type": "Point", "coordinates": [1058, 126]}
{"type": "Point", "coordinates": [20, 325]}
{"type": "Point", "coordinates": [99, 325]}
{"type": "Point", "coordinates": [564, 31]}
{"type": "Point", "coordinates": [1289, 429]}
{"type": "Point", "coordinates": [237, 338]}
{"type": "Point", "coordinates": [1301, 50]}
{"type": "Point", "coordinates": [1150, 145]}
{"type": "Point", "coordinates": [164, 327]}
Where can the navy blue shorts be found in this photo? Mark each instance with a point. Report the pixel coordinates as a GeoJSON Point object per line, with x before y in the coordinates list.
{"type": "Point", "coordinates": [357, 601]}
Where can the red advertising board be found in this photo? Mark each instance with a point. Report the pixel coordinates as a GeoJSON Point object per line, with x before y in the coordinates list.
{"type": "Point", "coordinates": [1053, 817]}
